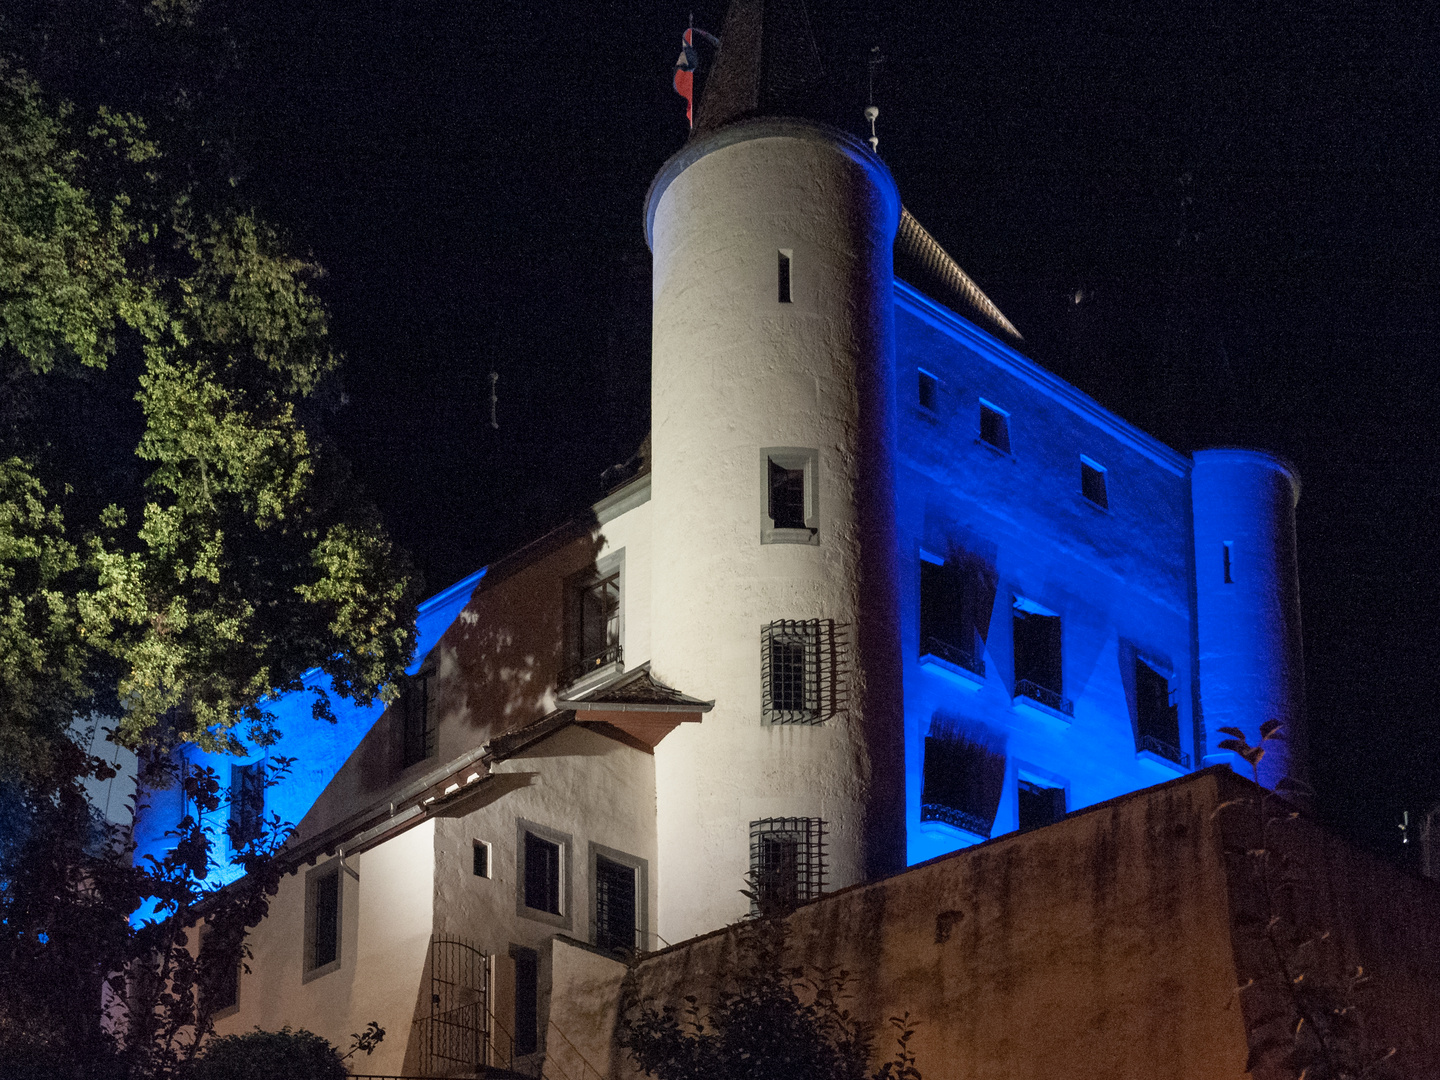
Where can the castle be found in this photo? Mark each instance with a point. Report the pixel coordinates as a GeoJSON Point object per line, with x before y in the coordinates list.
{"type": "Point", "coordinates": [879, 588]}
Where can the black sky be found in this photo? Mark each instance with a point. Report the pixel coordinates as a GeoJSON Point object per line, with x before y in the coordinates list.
{"type": "Point", "coordinates": [1241, 196]}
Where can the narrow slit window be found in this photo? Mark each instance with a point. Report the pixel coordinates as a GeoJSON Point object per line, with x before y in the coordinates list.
{"type": "Point", "coordinates": [482, 859]}
{"type": "Point", "coordinates": [1092, 483]}
{"type": "Point", "coordinates": [784, 277]}
{"type": "Point", "coordinates": [928, 391]}
{"type": "Point", "coordinates": [1229, 554]}
{"type": "Point", "coordinates": [994, 427]}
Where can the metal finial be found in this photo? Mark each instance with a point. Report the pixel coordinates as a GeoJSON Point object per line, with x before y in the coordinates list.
{"type": "Point", "coordinates": [872, 113]}
{"type": "Point", "coordinates": [494, 400]}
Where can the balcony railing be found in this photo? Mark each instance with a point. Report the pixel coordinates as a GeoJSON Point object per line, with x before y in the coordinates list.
{"type": "Point", "coordinates": [1045, 696]}
{"type": "Point", "coordinates": [1163, 749]}
{"type": "Point", "coordinates": [972, 662]}
{"type": "Point", "coordinates": [611, 655]}
{"type": "Point", "coordinates": [961, 819]}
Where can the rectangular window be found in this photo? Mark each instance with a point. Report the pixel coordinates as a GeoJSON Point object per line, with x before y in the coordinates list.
{"type": "Point", "coordinates": [994, 426]}
{"type": "Point", "coordinates": [788, 475]}
{"type": "Point", "coordinates": [219, 975]}
{"type": "Point", "coordinates": [247, 802]}
{"type": "Point", "coordinates": [1040, 805]}
{"type": "Point", "coordinates": [1228, 556]}
{"type": "Point", "coordinates": [784, 276]}
{"type": "Point", "coordinates": [928, 391]}
{"type": "Point", "coordinates": [1157, 713]}
{"type": "Point", "coordinates": [421, 734]}
{"type": "Point", "coordinates": [793, 658]}
{"type": "Point", "coordinates": [963, 780]}
{"type": "Point", "coordinates": [949, 616]}
{"type": "Point", "coordinates": [481, 859]}
{"type": "Point", "coordinates": [597, 621]}
{"type": "Point", "coordinates": [787, 861]}
{"type": "Point", "coordinates": [1038, 658]}
{"type": "Point", "coordinates": [615, 909]}
{"type": "Point", "coordinates": [542, 874]}
{"type": "Point", "coordinates": [1092, 483]}
{"type": "Point", "coordinates": [323, 920]}
{"type": "Point", "coordinates": [527, 999]}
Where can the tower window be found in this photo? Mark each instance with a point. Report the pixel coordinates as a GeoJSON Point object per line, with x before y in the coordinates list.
{"type": "Point", "coordinates": [788, 476]}
{"type": "Point", "coordinates": [615, 909]}
{"type": "Point", "coordinates": [963, 780]}
{"type": "Point", "coordinates": [928, 391]}
{"type": "Point", "coordinates": [1157, 713]}
{"type": "Point", "coordinates": [784, 276]}
{"type": "Point", "coordinates": [787, 861]}
{"type": "Point", "coordinates": [421, 732]}
{"type": "Point", "coordinates": [1040, 805]}
{"type": "Point", "coordinates": [994, 426]}
{"type": "Point", "coordinates": [1092, 482]}
{"type": "Point", "coordinates": [481, 859]}
{"type": "Point", "coordinates": [542, 874]}
{"type": "Point", "coordinates": [247, 802]}
{"type": "Point", "coordinates": [1038, 668]}
{"type": "Point", "coordinates": [1228, 554]}
{"type": "Point", "coordinates": [794, 658]}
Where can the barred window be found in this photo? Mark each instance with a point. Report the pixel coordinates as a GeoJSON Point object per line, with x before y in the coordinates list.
{"type": "Point", "coordinates": [787, 861]}
{"type": "Point", "coordinates": [798, 661]}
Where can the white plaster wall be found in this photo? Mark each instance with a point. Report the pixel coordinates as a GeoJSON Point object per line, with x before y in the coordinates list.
{"type": "Point", "coordinates": [386, 921]}
{"type": "Point", "coordinates": [735, 371]}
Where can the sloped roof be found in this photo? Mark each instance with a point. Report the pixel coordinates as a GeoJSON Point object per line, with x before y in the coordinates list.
{"type": "Point", "coordinates": [635, 691]}
{"type": "Point", "coordinates": [766, 67]}
{"type": "Point", "coordinates": [920, 261]}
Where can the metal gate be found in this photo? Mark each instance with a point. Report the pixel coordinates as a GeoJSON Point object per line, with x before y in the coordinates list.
{"type": "Point", "coordinates": [452, 1038]}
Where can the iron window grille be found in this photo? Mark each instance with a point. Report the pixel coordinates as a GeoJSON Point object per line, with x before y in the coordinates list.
{"type": "Point", "coordinates": [421, 727]}
{"type": "Point", "coordinates": [799, 671]}
{"type": "Point", "coordinates": [616, 924]}
{"type": "Point", "coordinates": [1165, 750]}
{"type": "Point", "coordinates": [453, 1038]}
{"type": "Point", "coordinates": [325, 920]}
{"type": "Point", "coordinates": [1028, 688]}
{"type": "Point", "coordinates": [787, 862]}
{"type": "Point", "coordinates": [963, 781]}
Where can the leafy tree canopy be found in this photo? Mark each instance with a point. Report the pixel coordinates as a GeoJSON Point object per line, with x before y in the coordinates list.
{"type": "Point", "coordinates": [177, 543]}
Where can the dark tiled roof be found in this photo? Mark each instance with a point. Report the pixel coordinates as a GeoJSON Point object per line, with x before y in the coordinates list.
{"type": "Point", "coordinates": [767, 66]}
{"type": "Point", "coordinates": [638, 690]}
{"type": "Point", "coordinates": [921, 261]}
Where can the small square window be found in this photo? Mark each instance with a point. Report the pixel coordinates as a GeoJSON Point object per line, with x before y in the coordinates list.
{"type": "Point", "coordinates": [1092, 483]}
{"type": "Point", "coordinates": [928, 391]}
{"type": "Point", "coordinates": [788, 480]}
{"type": "Point", "coordinates": [481, 859]}
{"type": "Point", "coordinates": [994, 427]}
{"type": "Point", "coordinates": [1039, 805]}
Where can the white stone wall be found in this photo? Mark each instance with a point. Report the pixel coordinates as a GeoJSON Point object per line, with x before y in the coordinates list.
{"type": "Point", "coordinates": [735, 370]}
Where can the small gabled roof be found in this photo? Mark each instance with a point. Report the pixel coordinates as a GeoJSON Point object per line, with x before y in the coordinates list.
{"type": "Point", "coordinates": [635, 691]}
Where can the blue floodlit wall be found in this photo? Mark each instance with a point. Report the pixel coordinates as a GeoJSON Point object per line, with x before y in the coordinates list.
{"type": "Point", "coordinates": [318, 747]}
{"type": "Point", "coordinates": [1119, 578]}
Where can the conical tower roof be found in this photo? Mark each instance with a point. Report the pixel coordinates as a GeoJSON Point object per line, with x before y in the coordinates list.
{"type": "Point", "coordinates": [766, 66]}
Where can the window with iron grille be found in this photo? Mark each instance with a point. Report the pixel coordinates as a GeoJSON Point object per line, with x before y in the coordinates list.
{"type": "Point", "coordinates": [615, 910]}
{"type": "Point", "coordinates": [798, 662]}
{"type": "Point", "coordinates": [787, 861]}
{"type": "Point", "coordinates": [418, 716]}
{"type": "Point", "coordinates": [247, 802]}
{"type": "Point", "coordinates": [322, 920]}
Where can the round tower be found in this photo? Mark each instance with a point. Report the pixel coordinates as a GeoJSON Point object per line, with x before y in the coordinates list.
{"type": "Point", "coordinates": [1247, 592]}
{"type": "Point", "coordinates": [773, 426]}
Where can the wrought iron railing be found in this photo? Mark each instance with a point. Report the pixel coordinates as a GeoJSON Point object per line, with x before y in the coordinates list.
{"type": "Point", "coordinates": [1045, 696]}
{"type": "Point", "coordinates": [972, 662]}
{"type": "Point", "coordinates": [610, 655]}
{"type": "Point", "coordinates": [961, 819]}
{"type": "Point", "coordinates": [1165, 750]}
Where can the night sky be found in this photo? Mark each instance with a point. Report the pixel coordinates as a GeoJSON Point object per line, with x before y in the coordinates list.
{"type": "Point", "coordinates": [1219, 219]}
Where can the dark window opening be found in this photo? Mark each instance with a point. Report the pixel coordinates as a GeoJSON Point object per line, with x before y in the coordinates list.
{"type": "Point", "coordinates": [615, 922]}
{"type": "Point", "coordinates": [963, 781]}
{"type": "Point", "coordinates": [597, 617]}
{"type": "Point", "coordinates": [784, 277]}
{"type": "Point", "coordinates": [787, 861]}
{"type": "Point", "coordinates": [929, 391]}
{"type": "Point", "coordinates": [1038, 659]}
{"type": "Point", "coordinates": [1040, 805]}
{"type": "Point", "coordinates": [1229, 553]}
{"type": "Point", "coordinates": [481, 857]}
{"type": "Point", "coordinates": [542, 874]}
{"type": "Point", "coordinates": [787, 497]}
{"type": "Point", "coordinates": [1092, 484]}
{"type": "Point", "coordinates": [247, 802]}
{"type": "Point", "coordinates": [950, 615]}
{"type": "Point", "coordinates": [792, 679]}
{"type": "Point", "coordinates": [326, 920]}
{"type": "Point", "coordinates": [527, 999]}
{"type": "Point", "coordinates": [421, 729]}
{"type": "Point", "coordinates": [220, 975]}
{"type": "Point", "coordinates": [995, 428]}
{"type": "Point", "coordinates": [1157, 713]}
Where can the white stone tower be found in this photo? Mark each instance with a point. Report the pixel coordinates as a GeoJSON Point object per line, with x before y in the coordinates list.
{"type": "Point", "coordinates": [1247, 605]}
{"type": "Point", "coordinates": [773, 425]}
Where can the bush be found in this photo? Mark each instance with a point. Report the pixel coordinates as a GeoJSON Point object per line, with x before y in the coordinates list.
{"type": "Point", "coordinates": [269, 1055]}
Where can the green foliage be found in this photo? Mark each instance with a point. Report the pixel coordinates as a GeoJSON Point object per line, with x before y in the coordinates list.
{"type": "Point", "coordinates": [766, 1020]}
{"type": "Point", "coordinates": [241, 556]}
{"type": "Point", "coordinates": [269, 1055]}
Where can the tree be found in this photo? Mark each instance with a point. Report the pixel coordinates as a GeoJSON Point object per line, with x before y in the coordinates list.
{"type": "Point", "coordinates": [766, 1020]}
{"type": "Point", "coordinates": [261, 1055]}
{"type": "Point", "coordinates": [179, 544]}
